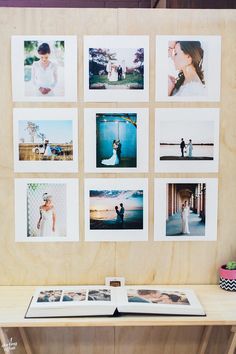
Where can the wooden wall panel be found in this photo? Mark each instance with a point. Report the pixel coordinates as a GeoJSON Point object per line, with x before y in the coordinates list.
{"type": "Point", "coordinates": [138, 340]}
{"type": "Point", "coordinates": [144, 262]}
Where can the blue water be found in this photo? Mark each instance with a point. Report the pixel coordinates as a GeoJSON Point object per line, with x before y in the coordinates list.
{"type": "Point", "coordinates": [107, 219]}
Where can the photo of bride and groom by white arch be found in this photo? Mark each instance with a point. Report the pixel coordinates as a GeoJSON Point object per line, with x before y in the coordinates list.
{"type": "Point", "coordinates": [116, 68]}
{"type": "Point", "coordinates": [116, 209]}
{"type": "Point", "coordinates": [116, 140]}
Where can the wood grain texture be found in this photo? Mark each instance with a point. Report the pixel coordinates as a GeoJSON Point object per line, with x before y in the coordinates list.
{"type": "Point", "coordinates": [140, 263]}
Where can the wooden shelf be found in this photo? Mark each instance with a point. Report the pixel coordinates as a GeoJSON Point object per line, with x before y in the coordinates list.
{"type": "Point", "coordinates": [218, 304]}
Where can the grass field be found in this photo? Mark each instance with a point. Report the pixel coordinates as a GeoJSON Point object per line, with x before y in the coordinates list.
{"type": "Point", "coordinates": [26, 153]}
{"type": "Point", "coordinates": [130, 79]}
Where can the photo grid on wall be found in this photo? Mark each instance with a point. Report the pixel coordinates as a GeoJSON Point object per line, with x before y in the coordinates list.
{"type": "Point", "coordinates": [116, 140]}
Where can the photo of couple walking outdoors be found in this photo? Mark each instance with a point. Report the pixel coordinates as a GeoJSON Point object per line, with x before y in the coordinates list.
{"type": "Point", "coordinates": [116, 209]}
{"type": "Point", "coordinates": [116, 139]}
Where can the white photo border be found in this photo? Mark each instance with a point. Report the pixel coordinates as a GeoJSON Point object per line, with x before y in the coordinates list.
{"type": "Point", "coordinates": [17, 62]}
{"type": "Point", "coordinates": [72, 226]}
{"type": "Point", "coordinates": [90, 140]}
{"type": "Point", "coordinates": [44, 114]}
{"type": "Point", "coordinates": [116, 184]}
{"type": "Point", "coordinates": [120, 41]}
{"type": "Point", "coordinates": [189, 115]}
{"type": "Point", "coordinates": [213, 59]}
{"type": "Point", "coordinates": [160, 207]}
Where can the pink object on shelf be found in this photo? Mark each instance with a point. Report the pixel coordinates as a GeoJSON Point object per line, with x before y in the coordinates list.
{"type": "Point", "coordinates": [227, 274]}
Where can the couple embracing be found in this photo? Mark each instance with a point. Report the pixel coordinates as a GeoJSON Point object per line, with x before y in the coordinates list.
{"type": "Point", "coordinates": [120, 213]}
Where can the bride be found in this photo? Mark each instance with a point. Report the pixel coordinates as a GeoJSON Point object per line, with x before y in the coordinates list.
{"type": "Point", "coordinates": [113, 160]}
{"type": "Point", "coordinates": [185, 215]}
{"type": "Point", "coordinates": [47, 219]}
{"type": "Point", "coordinates": [114, 74]}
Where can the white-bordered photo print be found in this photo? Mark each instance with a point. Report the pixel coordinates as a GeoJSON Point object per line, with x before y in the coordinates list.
{"type": "Point", "coordinates": [116, 209]}
{"type": "Point", "coordinates": [187, 140]}
{"type": "Point", "coordinates": [116, 68]}
{"type": "Point", "coordinates": [44, 68]}
{"type": "Point", "coordinates": [45, 139]}
{"type": "Point", "coordinates": [116, 140]}
{"type": "Point", "coordinates": [188, 68]}
{"type": "Point", "coordinates": [185, 209]}
{"type": "Point", "coordinates": [46, 210]}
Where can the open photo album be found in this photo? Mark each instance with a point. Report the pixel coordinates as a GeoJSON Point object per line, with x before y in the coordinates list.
{"type": "Point", "coordinates": [76, 301]}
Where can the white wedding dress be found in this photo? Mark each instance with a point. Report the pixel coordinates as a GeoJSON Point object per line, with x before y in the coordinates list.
{"type": "Point", "coordinates": [113, 75]}
{"type": "Point", "coordinates": [46, 223]}
{"type": "Point", "coordinates": [185, 215]}
{"type": "Point", "coordinates": [193, 88]}
{"type": "Point", "coordinates": [48, 152]}
{"type": "Point", "coordinates": [44, 77]}
{"type": "Point", "coordinates": [112, 161]}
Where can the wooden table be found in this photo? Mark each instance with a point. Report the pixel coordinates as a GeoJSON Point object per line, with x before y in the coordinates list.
{"type": "Point", "coordinates": [220, 307]}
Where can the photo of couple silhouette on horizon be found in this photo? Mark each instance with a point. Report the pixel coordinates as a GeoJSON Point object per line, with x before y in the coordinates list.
{"type": "Point", "coordinates": [120, 213]}
{"type": "Point", "coordinates": [116, 209]}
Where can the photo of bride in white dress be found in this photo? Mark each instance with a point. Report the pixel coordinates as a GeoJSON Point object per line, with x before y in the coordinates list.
{"type": "Point", "coordinates": [47, 210]}
{"type": "Point", "coordinates": [113, 160]}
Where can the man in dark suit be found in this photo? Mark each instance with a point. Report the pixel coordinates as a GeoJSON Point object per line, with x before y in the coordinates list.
{"type": "Point", "coordinates": [118, 150]}
{"type": "Point", "coordinates": [119, 71]}
{"type": "Point", "coordinates": [182, 146]}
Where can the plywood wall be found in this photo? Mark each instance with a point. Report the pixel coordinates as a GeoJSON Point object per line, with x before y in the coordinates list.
{"type": "Point", "coordinates": [139, 262]}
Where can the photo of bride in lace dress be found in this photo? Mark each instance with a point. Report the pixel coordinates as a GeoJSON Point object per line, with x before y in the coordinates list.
{"type": "Point", "coordinates": [46, 210]}
{"type": "Point", "coordinates": [47, 220]}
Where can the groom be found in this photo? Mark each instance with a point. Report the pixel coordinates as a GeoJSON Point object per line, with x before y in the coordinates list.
{"type": "Point", "coordinates": [182, 146]}
{"type": "Point", "coordinates": [121, 212]}
{"type": "Point", "coordinates": [119, 71]}
{"type": "Point", "coordinates": [118, 150]}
